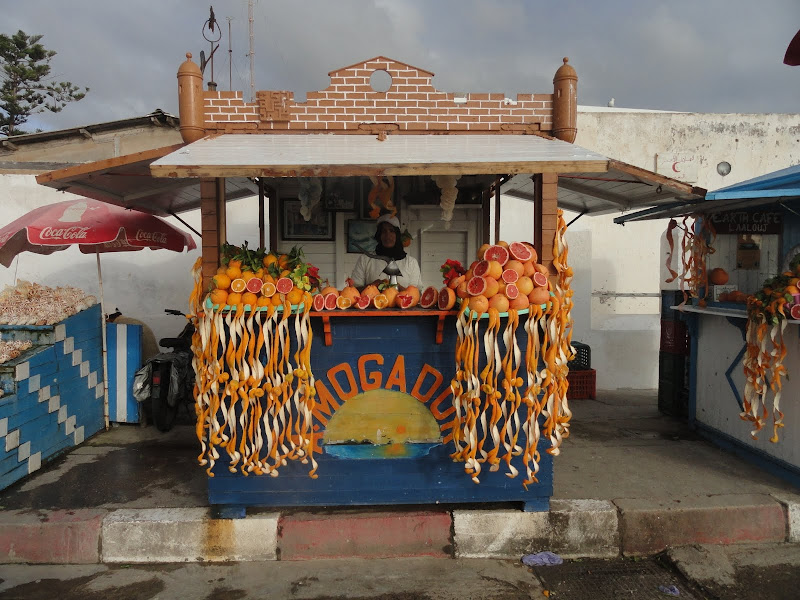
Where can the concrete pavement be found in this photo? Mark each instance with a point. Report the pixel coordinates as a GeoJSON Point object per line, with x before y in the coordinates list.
{"type": "Point", "coordinates": [629, 481]}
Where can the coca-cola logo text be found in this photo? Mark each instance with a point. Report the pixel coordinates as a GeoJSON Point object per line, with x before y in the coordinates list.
{"type": "Point", "coordinates": [64, 233]}
{"type": "Point", "coordinates": [151, 236]}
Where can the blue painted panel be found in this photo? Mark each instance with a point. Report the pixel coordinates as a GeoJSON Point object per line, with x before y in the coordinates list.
{"type": "Point", "coordinates": [426, 479]}
{"type": "Point", "coordinates": [124, 359]}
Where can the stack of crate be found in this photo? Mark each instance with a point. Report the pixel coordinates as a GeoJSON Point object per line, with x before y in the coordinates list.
{"type": "Point", "coordinates": [582, 378]}
{"type": "Point", "coordinates": [673, 358]}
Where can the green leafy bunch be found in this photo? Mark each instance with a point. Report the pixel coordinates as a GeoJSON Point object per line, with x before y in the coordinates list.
{"type": "Point", "coordinates": [252, 260]}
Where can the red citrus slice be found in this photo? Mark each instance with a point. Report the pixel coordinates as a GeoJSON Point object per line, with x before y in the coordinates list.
{"type": "Point", "coordinates": [481, 268]}
{"type": "Point", "coordinates": [363, 302]}
{"type": "Point", "coordinates": [429, 297]}
{"type": "Point", "coordinates": [795, 311]}
{"type": "Point", "coordinates": [330, 300]}
{"type": "Point", "coordinates": [520, 251]}
{"type": "Point", "coordinates": [510, 276]}
{"type": "Point", "coordinates": [319, 302]}
{"type": "Point", "coordinates": [512, 291]}
{"type": "Point", "coordinates": [284, 285]}
{"type": "Point", "coordinates": [405, 301]}
{"type": "Point", "coordinates": [254, 285]}
{"type": "Point", "coordinates": [496, 253]}
{"type": "Point", "coordinates": [447, 298]}
{"type": "Point", "coordinates": [539, 279]}
{"type": "Point", "coordinates": [476, 286]}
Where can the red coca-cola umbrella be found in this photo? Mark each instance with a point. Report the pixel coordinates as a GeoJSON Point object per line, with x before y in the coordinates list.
{"type": "Point", "coordinates": [94, 227]}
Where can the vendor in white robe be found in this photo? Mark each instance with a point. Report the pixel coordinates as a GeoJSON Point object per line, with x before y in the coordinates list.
{"type": "Point", "coordinates": [370, 270]}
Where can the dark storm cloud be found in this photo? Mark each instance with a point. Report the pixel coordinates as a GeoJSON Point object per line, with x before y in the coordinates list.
{"type": "Point", "coordinates": [687, 55]}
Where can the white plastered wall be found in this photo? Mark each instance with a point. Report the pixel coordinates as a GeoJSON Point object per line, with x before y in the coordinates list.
{"type": "Point", "coordinates": [620, 271]}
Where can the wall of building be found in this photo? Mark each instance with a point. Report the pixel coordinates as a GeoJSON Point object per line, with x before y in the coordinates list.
{"type": "Point", "coordinates": [620, 270]}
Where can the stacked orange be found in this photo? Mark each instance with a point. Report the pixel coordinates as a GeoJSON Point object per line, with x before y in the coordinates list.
{"type": "Point", "coordinates": [504, 276]}
{"type": "Point", "coordinates": [237, 284]}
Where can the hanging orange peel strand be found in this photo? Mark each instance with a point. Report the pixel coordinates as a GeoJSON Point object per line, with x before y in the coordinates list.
{"type": "Point", "coordinates": [488, 425]}
{"type": "Point", "coordinates": [254, 397]}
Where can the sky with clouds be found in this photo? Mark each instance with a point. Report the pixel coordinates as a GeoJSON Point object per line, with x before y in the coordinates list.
{"type": "Point", "coordinates": [684, 55]}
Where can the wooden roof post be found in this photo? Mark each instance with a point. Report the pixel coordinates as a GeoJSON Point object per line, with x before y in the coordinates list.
{"type": "Point", "coordinates": [212, 218]}
{"type": "Point", "coordinates": [546, 216]}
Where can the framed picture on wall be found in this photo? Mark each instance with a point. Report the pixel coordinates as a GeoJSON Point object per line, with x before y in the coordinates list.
{"type": "Point", "coordinates": [294, 227]}
{"type": "Point", "coordinates": [340, 194]}
{"type": "Point", "coordinates": [361, 232]}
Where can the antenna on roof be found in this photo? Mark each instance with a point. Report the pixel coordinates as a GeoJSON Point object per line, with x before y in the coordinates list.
{"type": "Point", "coordinates": [230, 57]}
{"type": "Point", "coordinates": [212, 37]}
{"type": "Point", "coordinates": [252, 52]}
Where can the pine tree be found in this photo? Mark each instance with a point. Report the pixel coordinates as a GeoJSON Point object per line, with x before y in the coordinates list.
{"type": "Point", "coordinates": [27, 87]}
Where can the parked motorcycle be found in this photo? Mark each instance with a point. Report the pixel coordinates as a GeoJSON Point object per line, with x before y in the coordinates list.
{"type": "Point", "coordinates": [167, 379]}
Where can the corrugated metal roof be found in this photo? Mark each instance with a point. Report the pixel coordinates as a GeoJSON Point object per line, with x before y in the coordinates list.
{"type": "Point", "coordinates": [623, 187]}
{"type": "Point", "coordinates": [337, 155]}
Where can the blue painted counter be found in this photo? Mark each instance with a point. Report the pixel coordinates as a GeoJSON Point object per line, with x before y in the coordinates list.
{"type": "Point", "coordinates": [372, 362]}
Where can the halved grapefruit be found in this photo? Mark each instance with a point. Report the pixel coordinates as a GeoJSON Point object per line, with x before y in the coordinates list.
{"type": "Point", "coordinates": [319, 302]}
{"type": "Point", "coordinates": [284, 285]}
{"type": "Point", "coordinates": [447, 298]}
{"type": "Point", "coordinates": [520, 251]}
{"type": "Point", "coordinates": [429, 297]}
{"type": "Point", "coordinates": [795, 311]}
{"type": "Point", "coordinates": [254, 284]}
{"type": "Point", "coordinates": [476, 286]}
{"type": "Point", "coordinates": [539, 279]}
{"type": "Point", "coordinates": [497, 253]}
{"type": "Point", "coordinates": [405, 301]}
{"type": "Point", "coordinates": [510, 276]}
{"type": "Point", "coordinates": [343, 302]}
{"type": "Point", "coordinates": [330, 300]}
{"type": "Point", "coordinates": [511, 292]}
{"type": "Point", "coordinates": [363, 302]}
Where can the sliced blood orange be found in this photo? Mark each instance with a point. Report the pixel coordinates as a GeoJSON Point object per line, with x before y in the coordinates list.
{"type": "Point", "coordinates": [795, 311]}
{"type": "Point", "coordinates": [447, 298]}
{"type": "Point", "coordinates": [330, 300]}
{"type": "Point", "coordinates": [380, 301]}
{"type": "Point", "coordinates": [343, 302]}
{"type": "Point", "coordinates": [510, 276]}
{"type": "Point", "coordinates": [284, 285]}
{"type": "Point", "coordinates": [481, 268]}
{"type": "Point", "coordinates": [238, 285]}
{"type": "Point", "coordinates": [363, 302]}
{"type": "Point", "coordinates": [319, 302]}
{"type": "Point", "coordinates": [539, 279]}
{"type": "Point", "coordinates": [476, 286]}
{"type": "Point", "coordinates": [520, 251]}
{"type": "Point", "coordinates": [405, 301]}
{"type": "Point", "coordinates": [512, 291]}
{"type": "Point", "coordinates": [268, 289]}
{"type": "Point", "coordinates": [497, 253]}
{"type": "Point", "coordinates": [429, 297]}
{"type": "Point", "coordinates": [254, 284]}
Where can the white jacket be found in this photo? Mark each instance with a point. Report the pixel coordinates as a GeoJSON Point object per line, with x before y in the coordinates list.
{"type": "Point", "coordinates": [369, 269]}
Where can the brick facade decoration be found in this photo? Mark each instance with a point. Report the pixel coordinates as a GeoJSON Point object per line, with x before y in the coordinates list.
{"type": "Point", "coordinates": [351, 105]}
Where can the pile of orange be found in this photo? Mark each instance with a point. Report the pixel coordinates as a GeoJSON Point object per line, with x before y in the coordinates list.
{"type": "Point", "coordinates": [504, 276]}
{"type": "Point", "coordinates": [235, 284]}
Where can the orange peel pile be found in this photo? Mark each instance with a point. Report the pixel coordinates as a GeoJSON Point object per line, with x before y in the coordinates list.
{"type": "Point", "coordinates": [488, 425]}
{"type": "Point", "coordinates": [253, 396]}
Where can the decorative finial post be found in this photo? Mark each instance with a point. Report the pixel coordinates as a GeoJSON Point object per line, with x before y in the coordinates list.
{"type": "Point", "coordinates": [565, 103]}
{"type": "Point", "coordinates": [190, 101]}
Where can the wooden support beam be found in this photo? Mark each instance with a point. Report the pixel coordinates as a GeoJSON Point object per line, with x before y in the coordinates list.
{"type": "Point", "coordinates": [546, 210]}
{"type": "Point", "coordinates": [210, 227]}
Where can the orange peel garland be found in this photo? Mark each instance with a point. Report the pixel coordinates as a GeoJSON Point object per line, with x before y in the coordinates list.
{"type": "Point", "coordinates": [488, 425]}
{"type": "Point", "coordinates": [254, 398]}
{"type": "Point", "coordinates": [763, 363]}
{"type": "Point", "coordinates": [697, 244]}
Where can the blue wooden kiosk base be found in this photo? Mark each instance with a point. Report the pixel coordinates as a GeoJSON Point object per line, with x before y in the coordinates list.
{"type": "Point", "coordinates": [385, 355]}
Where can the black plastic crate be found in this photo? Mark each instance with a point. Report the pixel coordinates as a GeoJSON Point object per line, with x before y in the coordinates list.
{"type": "Point", "coordinates": [583, 357]}
{"type": "Point", "coordinates": [674, 337]}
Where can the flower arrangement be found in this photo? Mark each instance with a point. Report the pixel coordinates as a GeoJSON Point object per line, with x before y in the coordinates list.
{"type": "Point", "coordinates": [451, 269]}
